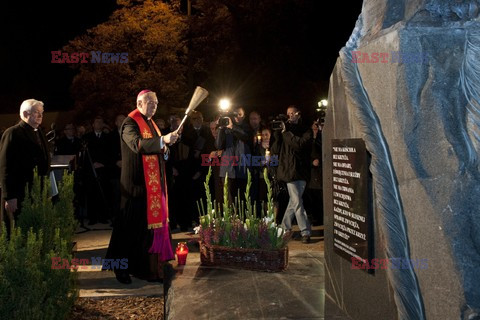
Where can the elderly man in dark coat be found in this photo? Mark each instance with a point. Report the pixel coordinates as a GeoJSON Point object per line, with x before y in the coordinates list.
{"type": "Point", "coordinates": [22, 149]}
{"type": "Point", "coordinates": [140, 233]}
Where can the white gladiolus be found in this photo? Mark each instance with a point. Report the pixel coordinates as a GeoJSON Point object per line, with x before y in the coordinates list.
{"type": "Point", "coordinates": [196, 229]}
{"type": "Point", "coordinates": [280, 232]}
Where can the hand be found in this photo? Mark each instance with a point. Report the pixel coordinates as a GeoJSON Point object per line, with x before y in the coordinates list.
{"type": "Point", "coordinates": [170, 138]}
{"type": "Point", "coordinates": [97, 165]}
{"type": "Point", "coordinates": [196, 176]}
{"type": "Point", "coordinates": [316, 163]}
{"type": "Point", "coordinates": [230, 123]}
{"type": "Point", "coordinates": [175, 172]}
{"type": "Point", "coordinates": [119, 163]}
{"type": "Point", "coordinates": [213, 154]}
{"type": "Point", "coordinates": [11, 205]}
{"type": "Point", "coordinates": [284, 128]}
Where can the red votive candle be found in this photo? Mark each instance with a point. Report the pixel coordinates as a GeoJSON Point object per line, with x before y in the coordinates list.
{"type": "Point", "coordinates": [182, 252]}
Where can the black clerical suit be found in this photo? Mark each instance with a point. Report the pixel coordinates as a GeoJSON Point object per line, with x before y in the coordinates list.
{"type": "Point", "coordinates": [22, 148]}
{"type": "Point", "coordinates": [131, 238]}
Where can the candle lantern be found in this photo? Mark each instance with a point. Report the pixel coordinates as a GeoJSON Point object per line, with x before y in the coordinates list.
{"type": "Point", "coordinates": [182, 252]}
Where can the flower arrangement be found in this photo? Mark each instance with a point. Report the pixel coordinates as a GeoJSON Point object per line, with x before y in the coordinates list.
{"type": "Point", "coordinates": [238, 225]}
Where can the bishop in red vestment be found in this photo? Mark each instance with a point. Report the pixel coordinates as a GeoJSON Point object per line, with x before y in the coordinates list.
{"type": "Point", "coordinates": [140, 233]}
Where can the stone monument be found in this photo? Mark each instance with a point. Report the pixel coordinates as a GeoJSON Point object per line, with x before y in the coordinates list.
{"type": "Point", "coordinates": [407, 85]}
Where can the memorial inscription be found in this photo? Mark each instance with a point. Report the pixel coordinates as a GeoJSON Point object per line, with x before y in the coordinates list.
{"type": "Point", "coordinates": [350, 199]}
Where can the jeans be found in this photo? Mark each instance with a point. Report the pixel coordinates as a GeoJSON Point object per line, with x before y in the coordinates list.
{"type": "Point", "coordinates": [295, 208]}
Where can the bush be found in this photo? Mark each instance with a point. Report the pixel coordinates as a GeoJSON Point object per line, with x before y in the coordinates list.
{"type": "Point", "coordinates": [29, 287]}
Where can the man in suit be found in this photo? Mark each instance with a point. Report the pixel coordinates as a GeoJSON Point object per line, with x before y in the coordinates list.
{"type": "Point", "coordinates": [140, 234]}
{"type": "Point", "coordinates": [22, 149]}
{"type": "Point", "coordinates": [115, 165]}
{"type": "Point", "coordinates": [198, 137]}
{"type": "Point", "coordinates": [68, 144]}
{"type": "Point", "coordinates": [95, 174]}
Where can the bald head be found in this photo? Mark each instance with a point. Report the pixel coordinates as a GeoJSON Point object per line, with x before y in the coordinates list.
{"type": "Point", "coordinates": [147, 104]}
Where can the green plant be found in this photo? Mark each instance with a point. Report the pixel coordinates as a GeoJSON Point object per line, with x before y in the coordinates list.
{"type": "Point", "coordinates": [29, 287]}
{"type": "Point", "coordinates": [238, 225]}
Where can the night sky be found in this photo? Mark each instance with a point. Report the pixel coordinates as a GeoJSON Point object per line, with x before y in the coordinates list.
{"type": "Point", "coordinates": [30, 31]}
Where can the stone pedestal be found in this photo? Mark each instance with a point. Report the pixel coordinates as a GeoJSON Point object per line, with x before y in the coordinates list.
{"type": "Point", "coordinates": [418, 112]}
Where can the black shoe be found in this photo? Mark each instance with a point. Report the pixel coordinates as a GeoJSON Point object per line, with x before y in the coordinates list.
{"type": "Point", "coordinates": [103, 221]}
{"type": "Point", "coordinates": [92, 222]}
{"type": "Point", "coordinates": [306, 239]}
{"type": "Point", "coordinates": [123, 277]}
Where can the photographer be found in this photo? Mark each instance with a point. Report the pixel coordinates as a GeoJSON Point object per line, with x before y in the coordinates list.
{"type": "Point", "coordinates": [233, 138]}
{"type": "Point", "coordinates": [292, 144]}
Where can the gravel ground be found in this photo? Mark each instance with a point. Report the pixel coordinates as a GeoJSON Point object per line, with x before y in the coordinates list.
{"type": "Point", "coordinates": [140, 308]}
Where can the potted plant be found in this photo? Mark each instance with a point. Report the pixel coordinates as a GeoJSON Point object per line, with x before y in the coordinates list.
{"type": "Point", "coordinates": [234, 235]}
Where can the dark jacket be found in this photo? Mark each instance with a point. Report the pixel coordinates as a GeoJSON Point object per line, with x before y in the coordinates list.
{"type": "Point", "coordinates": [316, 172]}
{"type": "Point", "coordinates": [234, 142]}
{"type": "Point", "coordinates": [98, 147]}
{"type": "Point", "coordinates": [199, 142]}
{"type": "Point", "coordinates": [115, 151]}
{"type": "Point", "coordinates": [20, 153]}
{"type": "Point", "coordinates": [293, 148]}
{"type": "Point", "coordinates": [133, 146]}
{"type": "Point", "coordinates": [65, 146]}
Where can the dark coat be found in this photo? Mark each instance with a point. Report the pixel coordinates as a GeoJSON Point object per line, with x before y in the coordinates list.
{"type": "Point", "coordinates": [65, 146]}
{"type": "Point", "coordinates": [293, 148]}
{"type": "Point", "coordinates": [316, 172]}
{"type": "Point", "coordinates": [199, 142]}
{"type": "Point", "coordinates": [20, 153]}
{"type": "Point", "coordinates": [133, 146]}
{"type": "Point", "coordinates": [115, 151]}
{"type": "Point", "coordinates": [98, 147]}
{"type": "Point", "coordinates": [233, 142]}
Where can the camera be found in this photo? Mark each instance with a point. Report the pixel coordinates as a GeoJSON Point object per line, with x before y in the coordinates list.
{"type": "Point", "coordinates": [279, 122]}
{"type": "Point", "coordinates": [223, 121]}
{"type": "Point", "coordinates": [321, 117]}
{"type": "Point", "coordinates": [224, 116]}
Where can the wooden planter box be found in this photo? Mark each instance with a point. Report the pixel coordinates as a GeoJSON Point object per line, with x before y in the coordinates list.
{"type": "Point", "coordinates": [251, 259]}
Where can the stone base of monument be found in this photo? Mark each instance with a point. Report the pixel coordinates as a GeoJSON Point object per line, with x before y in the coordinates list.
{"type": "Point", "coordinates": [218, 293]}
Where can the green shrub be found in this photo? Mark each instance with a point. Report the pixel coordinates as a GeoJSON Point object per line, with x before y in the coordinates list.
{"type": "Point", "coordinates": [29, 287]}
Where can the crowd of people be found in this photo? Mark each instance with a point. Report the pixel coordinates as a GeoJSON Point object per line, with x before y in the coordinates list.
{"type": "Point", "coordinates": [114, 170]}
{"type": "Point", "coordinates": [98, 163]}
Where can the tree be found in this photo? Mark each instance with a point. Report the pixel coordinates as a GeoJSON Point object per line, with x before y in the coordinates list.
{"type": "Point", "coordinates": [152, 34]}
{"type": "Point", "coordinates": [263, 52]}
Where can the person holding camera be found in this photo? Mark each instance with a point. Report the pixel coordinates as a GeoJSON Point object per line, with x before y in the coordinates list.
{"type": "Point", "coordinates": [292, 144]}
{"type": "Point", "coordinates": [233, 139]}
